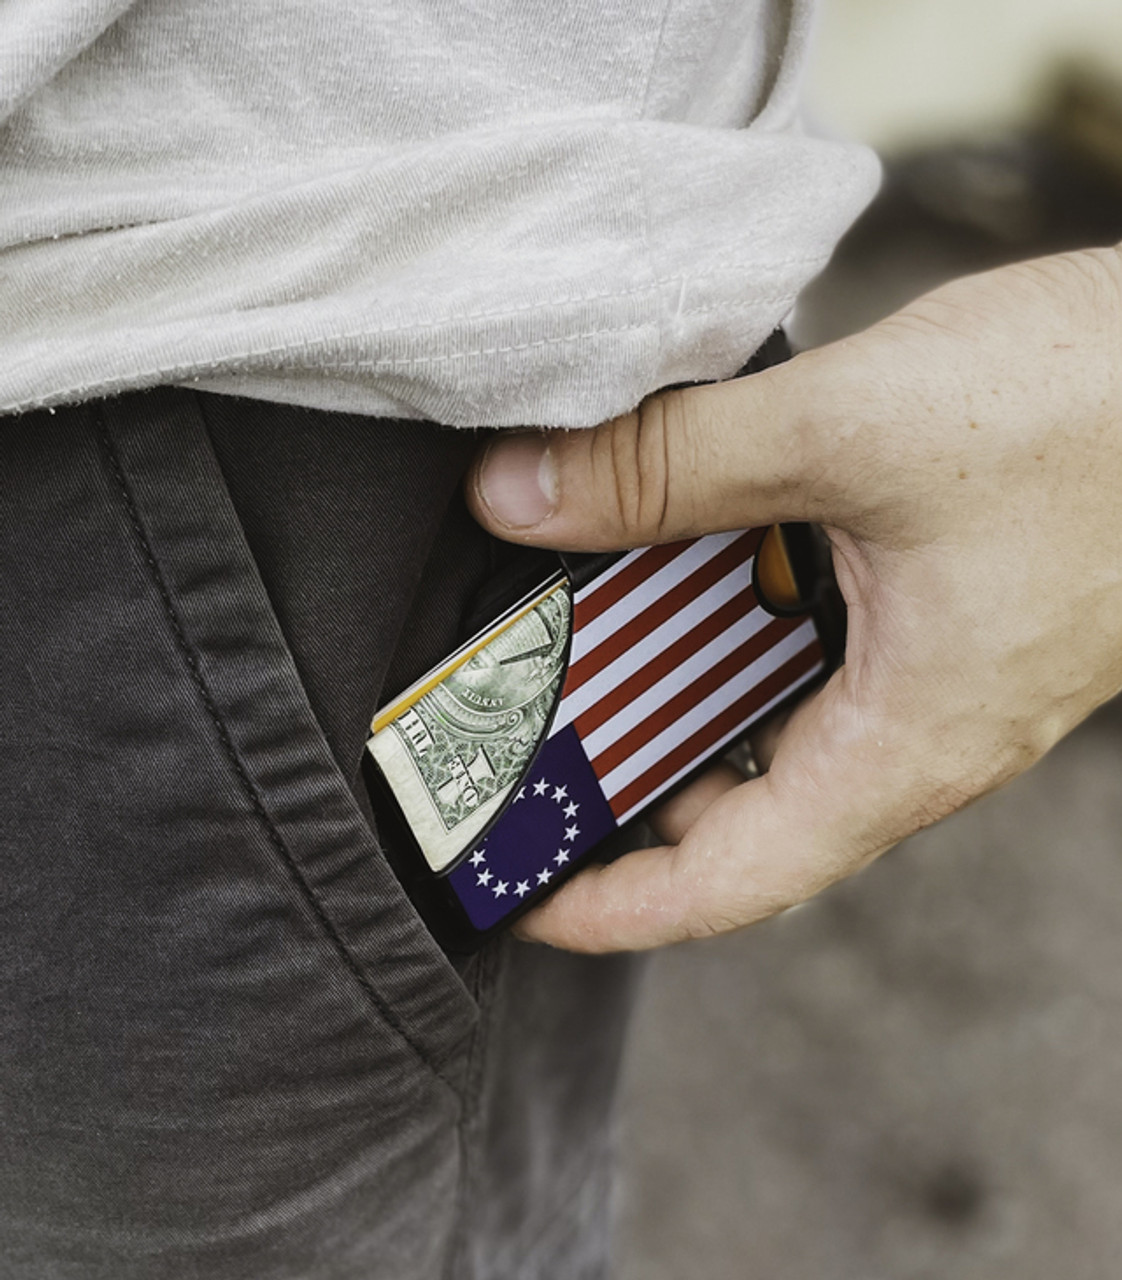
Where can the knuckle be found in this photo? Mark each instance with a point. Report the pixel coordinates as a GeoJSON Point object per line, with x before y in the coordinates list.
{"type": "Point", "coordinates": [699, 928]}
{"type": "Point", "coordinates": [618, 478]}
{"type": "Point", "coordinates": [944, 313]}
{"type": "Point", "coordinates": [1020, 749]}
{"type": "Point", "coordinates": [938, 799]}
{"type": "Point", "coordinates": [1091, 276]}
{"type": "Point", "coordinates": [634, 468]}
{"type": "Point", "coordinates": [841, 424]}
{"type": "Point", "coordinates": [960, 781]}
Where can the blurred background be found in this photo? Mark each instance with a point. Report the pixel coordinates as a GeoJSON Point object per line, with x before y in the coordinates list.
{"type": "Point", "coordinates": [918, 1076]}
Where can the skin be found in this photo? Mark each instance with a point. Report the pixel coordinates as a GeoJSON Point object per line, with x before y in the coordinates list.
{"type": "Point", "coordinates": [965, 458]}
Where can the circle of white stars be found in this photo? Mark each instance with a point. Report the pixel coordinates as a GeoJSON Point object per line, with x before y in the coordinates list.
{"type": "Point", "coordinates": [569, 807]}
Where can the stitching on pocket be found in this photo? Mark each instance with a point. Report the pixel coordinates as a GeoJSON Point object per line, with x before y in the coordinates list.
{"type": "Point", "coordinates": [256, 803]}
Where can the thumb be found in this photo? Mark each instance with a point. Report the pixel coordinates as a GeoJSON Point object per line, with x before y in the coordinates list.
{"type": "Point", "coordinates": [689, 461]}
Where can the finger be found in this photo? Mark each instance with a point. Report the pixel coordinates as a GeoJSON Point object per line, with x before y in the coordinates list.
{"type": "Point", "coordinates": [700, 459]}
{"type": "Point", "coordinates": [843, 788]}
{"type": "Point", "coordinates": [765, 740]}
{"type": "Point", "coordinates": [671, 821]}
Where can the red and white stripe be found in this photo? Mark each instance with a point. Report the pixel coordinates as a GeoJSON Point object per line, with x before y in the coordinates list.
{"type": "Point", "coordinates": [672, 658]}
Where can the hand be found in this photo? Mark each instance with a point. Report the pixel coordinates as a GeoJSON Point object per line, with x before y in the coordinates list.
{"type": "Point", "coordinates": [965, 458]}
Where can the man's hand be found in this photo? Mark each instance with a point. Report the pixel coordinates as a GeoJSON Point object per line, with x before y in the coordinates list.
{"type": "Point", "coordinates": [965, 457]}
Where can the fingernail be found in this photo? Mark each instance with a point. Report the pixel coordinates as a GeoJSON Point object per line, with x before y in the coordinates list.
{"type": "Point", "coordinates": [517, 481]}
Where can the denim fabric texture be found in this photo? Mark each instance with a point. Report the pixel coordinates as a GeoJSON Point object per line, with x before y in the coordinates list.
{"type": "Point", "coordinates": [228, 1046]}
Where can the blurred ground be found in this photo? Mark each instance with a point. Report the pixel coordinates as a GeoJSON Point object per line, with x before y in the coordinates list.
{"type": "Point", "coordinates": [918, 1076]}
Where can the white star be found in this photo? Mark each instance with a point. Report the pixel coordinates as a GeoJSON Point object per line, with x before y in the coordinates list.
{"type": "Point", "coordinates": [572, 832]}
{"type": "Point", "coordinates": [562, 857]}
{"type": "Point", "coordinates": [544, 877]}
{"type": "Point", "coordinates": [541, 787]}
{"type": "Point", "coordinates": [571, 809]}
{"type": "Point", "coordinates": [484, 877]}
{"type": "Point", "coordinates": [521, 795]}
{"type": "Point", "coordinates": [522, 888]}
{"type": "Point", "coordinates": [499, 890]}
{"type": "Point", "coordinates": [477, 857]}
{"type": "Point", "coordinates": [560, 793]}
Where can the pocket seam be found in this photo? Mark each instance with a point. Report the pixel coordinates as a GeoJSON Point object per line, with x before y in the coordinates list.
{"type": "Point", "coordinates": [384, 1009]}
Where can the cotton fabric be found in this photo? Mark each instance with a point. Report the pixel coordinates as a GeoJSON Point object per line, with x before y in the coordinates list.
{"type": "Point", "coordinates": [229, 1049]}
{"type": "Point", "coordinates": [483, 212]}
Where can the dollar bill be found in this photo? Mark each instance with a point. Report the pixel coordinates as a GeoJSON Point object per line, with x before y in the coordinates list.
{"type": "Point", "coordinates": [452, 754]}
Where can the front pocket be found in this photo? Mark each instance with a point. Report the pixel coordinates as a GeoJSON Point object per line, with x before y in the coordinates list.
{"type": "Point", "coordinates": [227, 632]}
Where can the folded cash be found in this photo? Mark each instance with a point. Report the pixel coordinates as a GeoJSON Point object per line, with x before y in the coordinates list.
{"type": "Point", "coordinates": [452, 746]}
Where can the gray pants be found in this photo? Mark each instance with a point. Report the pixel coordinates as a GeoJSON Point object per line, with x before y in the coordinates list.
{"type": "Point", "coordinates": [228, 1047]}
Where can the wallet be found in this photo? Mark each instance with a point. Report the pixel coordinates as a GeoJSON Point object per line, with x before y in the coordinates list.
{"type": "Point", "coordinates": [587, 698]}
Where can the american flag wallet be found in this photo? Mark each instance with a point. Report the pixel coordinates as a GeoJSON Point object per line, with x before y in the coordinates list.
{"type": "Point", "coordinates": [612, 682]}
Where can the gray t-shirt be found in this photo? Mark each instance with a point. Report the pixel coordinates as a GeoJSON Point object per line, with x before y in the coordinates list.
{"type": "Point", "coordinates": [486, 212]}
